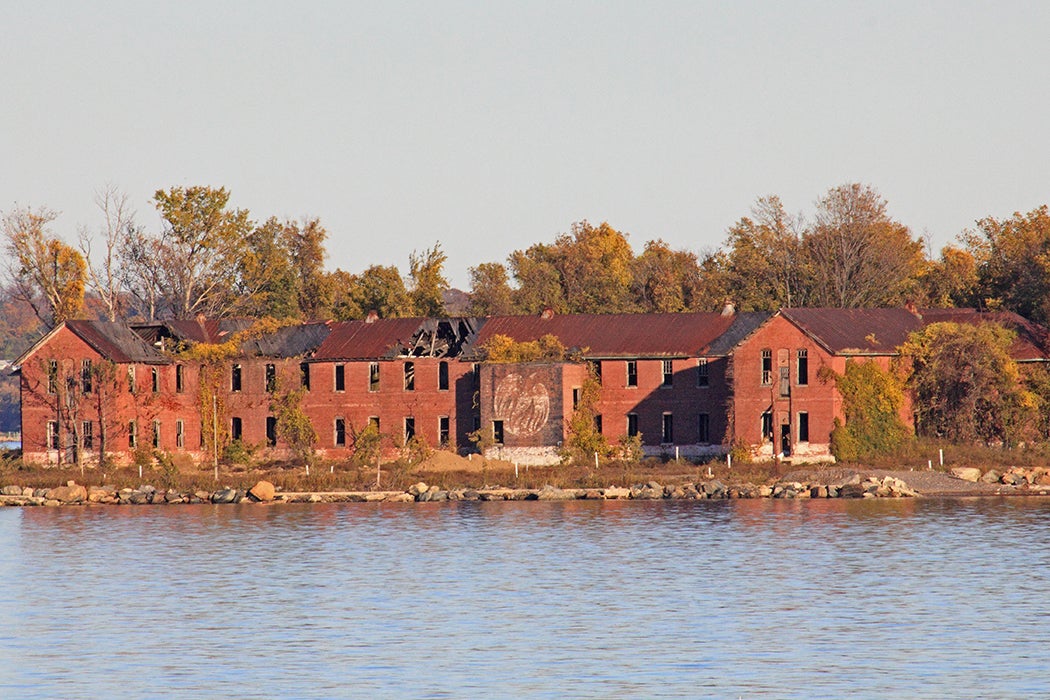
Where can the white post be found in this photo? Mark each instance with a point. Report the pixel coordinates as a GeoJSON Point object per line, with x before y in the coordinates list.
{"type": "Point", "coordinates": [140, 471]}
{"type": "Point", "coordinates": [729, 460]}
{"type": "Point", "coordinates": [515, 470]}
{"type": "Point", "coordinates": [929, 464]}
{"type": "Point", "coordinates": [331, 469]}
{"type": "Point", "coordinates": [595, 460]}
{"type": "Point", "coordinates": [941, 451]}
{"type": "Point", "coordinates": [308, 469]}
{"type": "Point", "coordinates": [709, 473]}
{"type": "Point", "coordinates": [676, 453]}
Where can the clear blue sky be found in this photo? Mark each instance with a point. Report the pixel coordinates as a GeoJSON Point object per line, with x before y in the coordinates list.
{"type": "Point", "coordinates": [489, 126]}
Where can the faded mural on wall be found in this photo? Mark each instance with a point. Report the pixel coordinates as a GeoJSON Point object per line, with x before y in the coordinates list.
{"type": "Point", "coordinates": [523, 403]}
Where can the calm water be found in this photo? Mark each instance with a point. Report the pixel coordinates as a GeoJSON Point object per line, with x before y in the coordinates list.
{"type": "Point", "coordinates": [727, 599]}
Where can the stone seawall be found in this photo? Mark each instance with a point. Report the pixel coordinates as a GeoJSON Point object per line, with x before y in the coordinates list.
{"type": "Point", "coordinates": [264, 492]}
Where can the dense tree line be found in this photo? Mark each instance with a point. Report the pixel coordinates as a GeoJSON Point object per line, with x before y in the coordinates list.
{"type": "Point", "coordinates": [208, 258]}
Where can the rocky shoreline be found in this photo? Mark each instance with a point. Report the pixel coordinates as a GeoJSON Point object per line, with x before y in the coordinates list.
{"type": "Point", "coordinates": [961, 481]}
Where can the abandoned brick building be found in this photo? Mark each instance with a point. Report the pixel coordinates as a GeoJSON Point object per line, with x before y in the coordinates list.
{"type": "Point", "coordinates": [691, 384]}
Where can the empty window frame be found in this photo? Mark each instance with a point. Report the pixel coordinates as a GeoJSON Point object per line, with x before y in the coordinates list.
{"type": "Point", "coordinates": [154, 378]}
{"type": "Point", "coordinates": [271, 378]}
{"type": "Point", "coordinates": [444, 430]}
{"type": "Point", "coordinates": [87, 434]}
{"type": "Point", "coordinates": [667, 432]}
{"type": "Point", "coordinates": [236, 428]}
{"type": "Point", "coordinates": [156, 434]}
{"type": "Point", "coordinates": [340, 432]}
{"type": "Point", "coordinates": [767, 366]}
{"type": "Point", "coordinates": [180, 433]}
{"type": "Point", "coordinates": [575, 397]}
{"type": "Point", "coordinates": [410, 428]}
{"type": "Point", "coordinates": [497, 432]}
{"type": "Point", "coordinates": [802, 372]}
{"type": "Point", "coordinates": [131, 379]}
{"type": "Point", "coordinates": [373, 422]}
{"type": "Point", "coordinates": [703, 429]}
{"type": "Point", "coordinates": [803, 426]}
{"type": "Point", "coordinates": [668, 373]}
{"type": "Point", "coordinates": [340, 377]}
{"type": "Point", "coordinates": [767, 426]}
{"type": "Point", "coordinates": [52, 376]}
{"type": "Point", "coordinates": [180, 379]}
{"type": "Point", "coordinates": [410, 376]}
{"type": "Point", "coordinates": [596, 370]}
{"type": "Point", "coordinates": [632, 373]}
{"type": "Point", "coordinates": [133, 434]}
{"type": "Point", "coordinates": [373, 376]}
{"type": "Point", "coordinates": [235, 378]}
{"type": "Point", "coordinates": [702, 378]}
{"type": "Point", "coordinates": [304, 375]}
{"type": "Point", "coordinates": [475, 371]}
{"type": "Point", "coordinates": [442, 376]}
{"type": "Point", "coordinates": [632, 424]}
{"type": "Point", "coordinates": [271, 431]}
{"type": "Point", "coordinates": [785, 381]}
{"type": "Point", "coordinates": [598, 424]}
{"type": "Point", "coordinates": [52, 435]}
{"type": "Point", "coordinates": [85, 376]}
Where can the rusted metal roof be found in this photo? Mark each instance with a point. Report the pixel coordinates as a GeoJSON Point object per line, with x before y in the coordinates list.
{"type": "Point", "coordinates": [881, 331]}
{"type": "Point", "coordinates": [289, 341]}
{"type": "Point", "coordinates": [367, 340]}
{"type": "Point", "coordinates": [116, 342]}
{"type": "Point", "coordinates": [616, 335]}
{"type": "Point", "coordinates": [856, 331]}
{"type": "Point", "coordinates": [744, 324]}
{"type": "Point", "coordinates": [1032, 343]}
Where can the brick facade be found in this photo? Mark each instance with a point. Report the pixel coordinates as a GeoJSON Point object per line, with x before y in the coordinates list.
{"type": "Point", "coordinates": [691, 384]}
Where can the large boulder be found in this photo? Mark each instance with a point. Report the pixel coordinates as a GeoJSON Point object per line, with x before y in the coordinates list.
{"type": "Point", "coordinates": [262, 491]}
{"type": "Point", "coordinates": [70, 493]}
{"type": "Point", "coordinates": [966, 473]}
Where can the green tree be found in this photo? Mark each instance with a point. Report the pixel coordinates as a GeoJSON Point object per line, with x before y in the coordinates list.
{"type": "Point", "coordinates": [490, 292]}
{"type": "Point", "coordinates": [43, 271]}
{"type": "Point", "coordinates": [871, 399]}
{"type": "Point", "coordinates": [266, 279]}
{"type": "Point", "coordinates": [305, 243]}
{"type": "Point", "coordinates": [967, 388]}
{"type": "Point", "coordinates": [198, 253]}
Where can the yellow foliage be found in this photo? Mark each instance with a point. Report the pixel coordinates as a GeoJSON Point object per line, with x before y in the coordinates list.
{"type": "Point", "coordinates": [503, 349]}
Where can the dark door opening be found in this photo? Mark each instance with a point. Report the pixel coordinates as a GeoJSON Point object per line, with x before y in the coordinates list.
{"type": "Point", "coordinates": [785, 439]}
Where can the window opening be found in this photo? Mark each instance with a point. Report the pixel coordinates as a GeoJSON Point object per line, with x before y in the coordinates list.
{"type": "Point", "coordinates": [373, 376]}
{"type": "Point", "coordinates": [703, 429]}
{"type": "Point", "coordinates": [803, 367]}
{"type": "Point", "coordinates": [668, 370]}
{"type": "Point", "coordinates": [85, 376]}
{"type": "Point", "coordinates": [235, 378]}
{"type": "Point", "coordinates": [410, 376]}
{"type": "Point", "coordinates": [632, 424]}
{"type": "Point", "coordinates": [767, 366]}
{"type": "Point", "coordinates": [702, 378]}
{"type": "Point", "coordinates": [340, 432]}
{"type": "Point", "coordinates": [632, 373]}
{"type": "Point", "coordinates": [444, 432]}
{"type": "Point", "coordinates": [271, 378]}
{"type": "Point", "coordinates": [340, 377]}
{"type": "Point", "coordinates": [667, 436]}
{"type": "Point", "coordinates": [442, 376]}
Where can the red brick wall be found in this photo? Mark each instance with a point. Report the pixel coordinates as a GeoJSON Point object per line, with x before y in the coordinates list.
{"type": "Point", "coordinates": [392, 402]}
{"type": "Point", "coordinates": [684, 399]}
{"type": "Point", "coordinates": [119, 406]}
